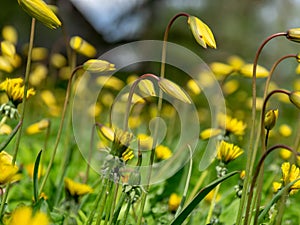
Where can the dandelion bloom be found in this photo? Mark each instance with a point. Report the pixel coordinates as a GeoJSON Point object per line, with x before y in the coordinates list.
{"type": "Point", "coordinates": [228, 152]}
{"type": "Point", "coordinates": [14, 89]}
{"type": "Point", "coordinates": [25, 216]}
{"type": "Point", "coordinates": [289, 174]}
{"type": "Point", "coordinates": [232, 125]}
{"type": "Point", "coordinates": [9, 172]}
{"type": "Point", "coordinates": [163, 152]}
{"type": "Point", "coordinates": [174, 202]}
{"type": "Point", "coordinates": [76, 189]}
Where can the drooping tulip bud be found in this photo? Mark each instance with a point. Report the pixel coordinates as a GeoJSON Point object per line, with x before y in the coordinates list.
{"type": "Point", "coordinates": [97, 65]}
{"type": "Point", "coordinates": [293, 34]}
{"type": "Point", "coordinates": [271, 118]}
{"type": "Point", "coordinates": [82, 47]}
{"type": "Point", "coordinates": [295, 98]}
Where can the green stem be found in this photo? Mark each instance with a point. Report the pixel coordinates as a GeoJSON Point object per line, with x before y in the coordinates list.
{"type": "Point", "coordinates": [118, 208]}
{"type": "Point", "coordinates": [60, 128]}
{"type": "Point", "coordinates": [252, 148]}
{"type": "Point", "coordinates": [197, 186]}
{"type": "Point", "coordinates": [212, 204]}
{"type": "Point", "coordinates": [126, 213]}
{"type": "Point", "coordinates": [107, 186]}
{"type": "Point", "coordinates": [26, 84]}
{"type": "Point", "coordinates": [3, 202]}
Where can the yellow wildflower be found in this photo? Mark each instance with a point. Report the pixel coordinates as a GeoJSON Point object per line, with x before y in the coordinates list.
{"type": "Point", "coordinates": [221, 69]}
{"type": "Point", "coordinates": [8, 49]}
{"type": "Point", "coordinates": [231, 125]}
{"type": "Point", "coordinates": [276, 186]}
{"type": "Point", "coordinates": [174, 202]}
{"type": "Point", "coordinates": [285, 130]}
{"type": "Point", "coordinates": [230, 87]}
{"type": "Point", "coordinates": [30, 169]}
{"type": "Point", "coordinates": [5, 129]}
{"type": "Point", "coordinates": [227, 152]}
{"type": "Point", "coordinates": [247, 71]}
{"type": "Point", "coordinates": [110, 82]}
{"type": "Point", "coordinates": [146, 141]}
{"type": "Point", "coordinates": [9, 172]}
{"type": "Point", "coordinates": [210, 196]}
{"type": "Point", "coordinates": [82, 47]}
{"type": "Point", "coordinates": [193, 87]}
{"type": "Point", "coordinates": [41, 11]}
{"type": "Point", "coordinates": [201, 32]}
{"type": "Point", "coordinates": [38, 126]}
{"type": "Point", "coordinates": [24, 215]}
{"type": "Point", "coordinates": [107, 132]}
{"type": "Point", "coordinates": [290, 174]}
{"type": "Point", "coordinates": [127, 155]}
{"type": "Point", "coordinates": [38, 74]}
{"type": "Point", "coordinates": [15, 90]}
{"type": "Point", "coordinates": [236, 62]}
{"type": "Point", "coordinates": [9, 33]}
{"type": "Point", "coordinates": [5, 65]}
{"type": "Point", "coordinates": [209, 133]}
{"type": "Point", "coordinates": [76, 189]}
{"type": "Point", "coordinates": [285, 154]}
{"type": "Point", "coordinates": [163, 152]}
{"type": "Point", "coordinates": [58, 60]}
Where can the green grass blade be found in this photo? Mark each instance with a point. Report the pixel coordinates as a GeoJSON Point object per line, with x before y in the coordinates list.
{"type": "Point", "coordinates": [198, 198]}
{"type": "Point", "coordinates": [35, 176]}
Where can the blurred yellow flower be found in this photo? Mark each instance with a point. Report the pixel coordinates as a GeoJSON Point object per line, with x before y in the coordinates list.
{"type": "Point", "coordinates": [76, 189]}
{"type": "Point", "coordinates": [5, 65]}
{"type": "Point", "coordinates": [107, 132]}
{"type": "Point", "coordinates": [41, 11]}
{"type": "Point", "coordinates": [230, 87]}
{"type": "Point", "coordinates": [8, 49]}
{"type": "Point", "coordinates": [24, 215]}
{"type": "Point", "coordinates": [201, 32]}
{"type": "Point", "coordinates": [110, 82]}
{"type": "Point", "coordinates": [38, 126]}
{"type": "Point", "coordinates": [289, 174]}
{"type": "Point", "coordinates": [247, 71]}
{"type": "Point", "coordinates": [231, 125]}
{"type": "Point", "coordinates": [97, 65]}
{"type": "Point", "coordinates": [276, 186]}
{"type": "Point", "coordinates": [9, 33]}
{"type": "Point", "coordinates": [221, 69]}
{"type": "Point", "coordinates": [174, 202]}
{"type": "Point", "coordinates": [38, 74]}
{"type": "Point", "coordinates": [236, 62]}
{"type": "Point", "coordinates": [285, 130]}
{"type": "Point", "coordinates": [285, 154]}
{"type": "Point", "coordinates": [9, 172]}
{"type": "Point", "coordinates": [210, 196]}
{"type": "Point", "coordinates": [193, 87]}
{"type": "Point", "coordinates": [82, 47]}
{"type": "Point", "coordinates": [5, 129]}
{"type": "Point", "coordinates": [209, 133]}
{"type": "Point", "coordinates": [163, 152]}
{"type": "Point", "coordinates": [49, 99]}
{"type": "Point", "coordinates": [227, 152]}
{"type": "Point", "coordinates": [15, 90]}
{"type": "Point", "coordinates": [146, 141]}
{"type": "Point", "coordinates": [58, 60]}
{"type": "Point", "coordinates": [30, 169]}
{"type": "Point", "coordinates": [127, 155]}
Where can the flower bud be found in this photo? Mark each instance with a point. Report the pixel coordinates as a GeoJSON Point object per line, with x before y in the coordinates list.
{"type": "Point", "coordinates": [293, 34]}
{"type": "Point", "coordinates": [82, 47]}
{"type": "Point", "coordinates": [295, 98]}
{"type": "Point", "coordinates": [221, 69]}
{"type": "Point", "coordinates": [41, 11]}
{"type": "Point", "coordinates": [8, 49]}
{"type": "Point", "coordinates": [270, 119]}
{"type": "Point", "coordinates": [97, 65]}
{"type": "Point", "coordinates": [201, 32]}
{"type": "Point", "coordinates": [147, 87]}
{"type": "Point", "coordinates": [10, 34]}
{"type": "Point", "coordinates": [173, 90]}
{"type": "Point", "coordinates": [247, 71]}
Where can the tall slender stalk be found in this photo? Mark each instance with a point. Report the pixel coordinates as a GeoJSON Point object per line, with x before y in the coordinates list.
{"type": "Point", "coordinates": [58, 136]}
{"type": "Point", "coordinates": [252, 151]}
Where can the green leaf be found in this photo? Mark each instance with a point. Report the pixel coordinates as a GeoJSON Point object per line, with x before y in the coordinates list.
{"type": "Point", "coordinates": [35, 177]}
{"type": "Point", "coordinates": [198, 198]}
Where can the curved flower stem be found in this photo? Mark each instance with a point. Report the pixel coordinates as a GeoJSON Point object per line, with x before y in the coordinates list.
{"type": "Point", "coordinates": [257, 171]}
{"type": "Point", "coordinates": [60, 128]}
{"type": "Point", "coordinates": [26, 84]}
{"type": "Point", "coordinates": [10, 137]}
{"type": "Point", "coordinates": [253, 146]}
{"type": "Point", "coordinates": [263, 141]}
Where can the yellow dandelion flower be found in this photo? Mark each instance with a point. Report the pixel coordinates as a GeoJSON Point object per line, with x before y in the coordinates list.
{"type": "Point", "coordinates": [231, 125]}
{"type": "Point", "coordinates": [162, 152]}
{"type": "Point", "coordinates": [24, 215]}
{"type": "Point", "coordinates": [38, 126]}
{"type": "Point", "coordinates": [15, 90]}
{"type": "Point", "coordinates": [289, 174]}
{"type": "Point", "coordinates": [209, 133]}
{"type": "Point", "coordinates": [174, 202]}
{"type": "Point", "coordinates": [127, 155]}
{"type": "Point", "coordinates": [9, 172]}
{"type": "Point", "coordinates": [146, 141]}
{"type": "Point", "coordinates": [276, 186]}
{"type": "Point", "coordinates": [76, 189]}
{"type": "Point", "coordinates": [227, 152]}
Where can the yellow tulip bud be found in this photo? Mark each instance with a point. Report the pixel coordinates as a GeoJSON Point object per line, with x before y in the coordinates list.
{"type": "Point", "coordinates": [201, 32]}
{"type": "Point", "coordinates": [5, 65]}
{"type": "Point", "coordinates": [8, 49]}
{"type": "Point", "coordinates": [10, 34]}
{"type": "Point", "coordinates": [193, 87]}
{"type": "Point", "coordinates": [295, 98]}
{"type": "Point", "coordinates": [58, 60]}
{"type": "Point", "coordinates": [221, 69]}
{"type": "Point", "coordinates": [270, 119]}
{"type": "Point", "coordinates": [147, 87]}
{"type": "Point", "coordinates": [82, 47]}
{"type": "Point", "coordinates": [173, 90]}
{"type": "Point", "coordinates": [293, 34]}
{"type": "Point", "coordinates": [41, 11]}
{"type": "Point", "coordinates": [247, 71]}
{"type": "Point", "coordinates": [97, 65]}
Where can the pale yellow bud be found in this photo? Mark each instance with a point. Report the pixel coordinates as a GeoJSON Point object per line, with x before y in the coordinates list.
{"type": "Point", "coordinates": [173, 90]}
{"type": "Point", "coordinates": [10, 34]}
{"type": "Point", "coordinates": [270, 119]}
{"type": "Point", "coordinates": [8, 49]}
{"type": "Point", "coordinates": [82, 47]}
{"type": "Point", "coordinates": [295, 98]}
{"type": "Point", "coordinates": [41, 11]}
{"type": "Point", "coordinates": [147, 87]}
{"type": "Point", "coordinates": [201, 32]}
{"type": "Point", "coordinates": [58, 60]}
{"type": "Point", "coordinates": [5, 65]}
{"type": "Point", "coordinates": [293, 34]}
{"type": "Point", "coordinates": [221, 69]}
{"type": "Point", "coordinates": [97, 65]}
{"type": "Point", "coordinates": [247, 71]}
